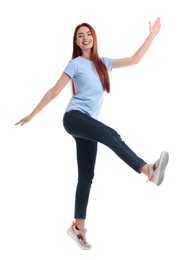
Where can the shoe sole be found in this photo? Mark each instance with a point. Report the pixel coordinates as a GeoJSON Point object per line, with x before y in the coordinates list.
{"type": "Point", "coordinates": [70, 234]}
{"type": "Point", "coordinates": [163, 161]}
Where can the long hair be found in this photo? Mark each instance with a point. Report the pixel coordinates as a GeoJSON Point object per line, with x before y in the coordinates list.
{"type": "Point", "coordinates": [99, 65]}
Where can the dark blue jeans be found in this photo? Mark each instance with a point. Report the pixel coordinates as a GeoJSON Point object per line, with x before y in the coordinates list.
{"type": "Point", "coordinates": [87, 132]}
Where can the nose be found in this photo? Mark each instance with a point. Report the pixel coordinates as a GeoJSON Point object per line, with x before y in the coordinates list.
{"type": "Point", "coordinates": [85, 37]}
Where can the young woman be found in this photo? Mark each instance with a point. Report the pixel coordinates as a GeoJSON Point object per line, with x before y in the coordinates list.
{"type": "Point", "coordinates": [90, 79]}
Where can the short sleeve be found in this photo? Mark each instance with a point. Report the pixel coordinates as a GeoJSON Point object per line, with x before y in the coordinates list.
{"type": "Point", "coordinates": [70, 69]}
{"type": "Point", "coordinates": [108, 62]}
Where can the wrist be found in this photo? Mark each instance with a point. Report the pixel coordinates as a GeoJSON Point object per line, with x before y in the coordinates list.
{"type": "Point", "coordinates": [152, 36]}
{"type": "Point", "coordinates": [32, 115]}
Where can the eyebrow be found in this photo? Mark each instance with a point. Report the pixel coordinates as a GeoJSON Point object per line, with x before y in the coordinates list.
{"type": "Point", "coordinates": [83, 33]}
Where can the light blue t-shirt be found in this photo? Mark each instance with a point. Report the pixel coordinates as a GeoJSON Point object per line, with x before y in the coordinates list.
{"type": "Point", "coordinates": [89, 91]}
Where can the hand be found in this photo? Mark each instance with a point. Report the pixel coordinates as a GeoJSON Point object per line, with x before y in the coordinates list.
{"type": "Point", "coordinates": [24, 120]}
{"type": "Point", "coordinates": [155, 27]}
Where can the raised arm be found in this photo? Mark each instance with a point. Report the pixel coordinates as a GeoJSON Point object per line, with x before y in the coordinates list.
{"type": "Point", "coordinates": [47, 98]}
{"type": "Point", "coordinates": [128, 61]}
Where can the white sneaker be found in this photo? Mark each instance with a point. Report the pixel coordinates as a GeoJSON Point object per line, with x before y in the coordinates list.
{"type": "Point", "coordinates": [157, 169]}
{"type": "Point", "coordinates": [79, 236]}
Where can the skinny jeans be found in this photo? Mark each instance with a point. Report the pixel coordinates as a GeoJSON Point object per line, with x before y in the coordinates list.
{"type": "Point", "coordinates": [87, 132]}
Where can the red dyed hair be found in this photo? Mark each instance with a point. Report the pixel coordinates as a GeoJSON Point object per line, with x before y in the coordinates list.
{"type": "Point", "coordinates": [99, 65]}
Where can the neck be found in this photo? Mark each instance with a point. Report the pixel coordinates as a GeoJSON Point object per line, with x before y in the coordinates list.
{"type": "Point", "coordinates": [86, 55]}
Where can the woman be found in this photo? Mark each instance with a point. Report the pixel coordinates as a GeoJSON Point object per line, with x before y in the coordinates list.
{"type": "Point", "coordinates": [90, 79]}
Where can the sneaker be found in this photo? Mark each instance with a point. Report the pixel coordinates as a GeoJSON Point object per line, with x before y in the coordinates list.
{"type": "Point", "coordinates": [79, 236]}
{"type": "Point", "coordinates": [157, 169]}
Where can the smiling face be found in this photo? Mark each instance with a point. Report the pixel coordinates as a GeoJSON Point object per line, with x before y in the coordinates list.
{"type": "Point", "coordinates": [84, 38]}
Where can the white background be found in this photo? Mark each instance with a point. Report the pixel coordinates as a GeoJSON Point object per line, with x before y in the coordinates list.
{"type": "Point", "coordinates": [128, 218]}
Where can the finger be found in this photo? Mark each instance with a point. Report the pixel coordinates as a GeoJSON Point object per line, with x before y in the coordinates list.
{"type": "Point", "coordinates": [157, 20]}
{"type": "Point", "coordinates": [21, 122]}
{"type": "Point", "coordinates": [18, 122]}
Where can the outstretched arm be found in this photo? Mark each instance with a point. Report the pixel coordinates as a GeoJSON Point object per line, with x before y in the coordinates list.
{"type": "Point", "coordinates": [127, 61]}
{"type": "Point", "coordinates": [48, 97]}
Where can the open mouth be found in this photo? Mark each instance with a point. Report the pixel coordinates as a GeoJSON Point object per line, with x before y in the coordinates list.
{"type": "Point", "coordinates": [86, 43]}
